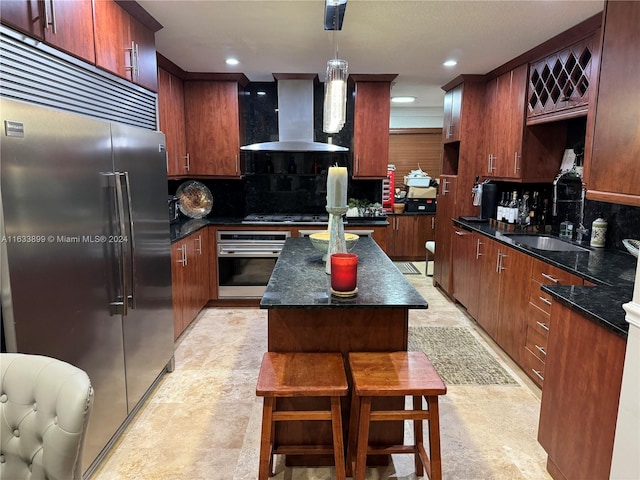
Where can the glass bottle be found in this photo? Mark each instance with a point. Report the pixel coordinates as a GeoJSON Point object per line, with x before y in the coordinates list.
{"type": "Point", "coordinates": [523, 210]}
{"type": "Point", "coordinates": [513, 207]}
{"type": "Point", "coordinates": [533, 209]}
{"type": "Point", "coordinates": [500, 207]}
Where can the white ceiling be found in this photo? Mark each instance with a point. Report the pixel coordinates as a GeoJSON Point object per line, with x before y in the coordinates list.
{"type": "Point", "coordinates": [408, 38]}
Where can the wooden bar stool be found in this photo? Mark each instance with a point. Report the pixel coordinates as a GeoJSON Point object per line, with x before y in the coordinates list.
{"type": "Point", "coordinates": [392, 375]}
{"type": "Point", "coordinates": [301, 375]}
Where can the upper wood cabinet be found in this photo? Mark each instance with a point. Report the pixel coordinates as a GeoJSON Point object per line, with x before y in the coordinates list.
{"type": "Point", "coordinates": [171, 113]}
{"type": "Point", "coordinates": [452, 111]}
{"type": "Point", "coordinates": [512, 150]}
{"type": "Point", "coordinates": [65, 25]}
{"type": "Point", "coordinates": [213, 128]}
{"type": "Point", "coordinates": [611, 160]}
{"type": "Point", "coordinates": [124, 45]}
{"type": "Point", "coordinates": [560, 84]}
{"type": "Point", "coordinates": [371, 129]}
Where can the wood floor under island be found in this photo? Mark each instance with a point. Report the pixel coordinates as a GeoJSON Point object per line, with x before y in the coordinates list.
{"type": "Point", "coordinates": [303, 316]}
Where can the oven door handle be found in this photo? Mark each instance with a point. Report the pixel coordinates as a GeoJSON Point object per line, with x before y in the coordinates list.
{"type": "Point", "coordinates": [248, 252]}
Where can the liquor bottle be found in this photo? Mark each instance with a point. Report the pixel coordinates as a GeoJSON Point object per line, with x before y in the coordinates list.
{"type": "Point", "coordinates": [500, 207]}
{"type": "Point", "coordinates": [513, 207]}
{"type": "Point", "coordinates": [523, 210]}
{"type": "Point", "coordinates": [268, 166]}
{"type": "Point", "coordinates": [533, 210]}
{"type": "Point", "coordinates": [505, 208]}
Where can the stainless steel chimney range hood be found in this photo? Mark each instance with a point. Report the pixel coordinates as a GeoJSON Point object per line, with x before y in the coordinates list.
{"type": "Point", "coordinates": [295, 120]}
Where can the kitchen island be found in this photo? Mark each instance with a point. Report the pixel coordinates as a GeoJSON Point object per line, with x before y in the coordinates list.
{"type": "Point", "coordinates": [303, 316]}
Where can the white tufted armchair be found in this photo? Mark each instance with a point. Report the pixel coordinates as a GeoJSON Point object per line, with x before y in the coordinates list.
{"type": "Point", "coordinates": [44, 411]}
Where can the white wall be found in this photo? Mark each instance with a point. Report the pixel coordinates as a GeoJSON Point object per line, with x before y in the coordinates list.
{"type": "Point", "coordinates": [416, 117]}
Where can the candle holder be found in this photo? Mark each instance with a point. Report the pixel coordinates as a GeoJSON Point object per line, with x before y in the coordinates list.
{"type": "Point", "coordinates": [344, 274]}
{"type": "Point", "coordinates": [337, 242]}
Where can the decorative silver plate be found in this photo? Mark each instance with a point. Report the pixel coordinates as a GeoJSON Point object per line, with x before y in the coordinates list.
{"type": "Point", "coordinates": [195, 199]}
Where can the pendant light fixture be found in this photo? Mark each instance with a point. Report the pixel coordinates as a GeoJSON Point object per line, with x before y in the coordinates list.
{"type": "Point", "coordinates": [335, 87]}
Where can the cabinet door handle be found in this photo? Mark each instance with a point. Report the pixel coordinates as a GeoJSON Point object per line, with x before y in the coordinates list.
{"type": "Point", "coordinates": [444, 187]}
{"type": "Point", "coordinates": [498, 263]}
{"type": "Point", "coordinates": [52, 22]}
{"type": "Point", "coordinates": [199, 240]}
{"type": "Point", "coordinates": [357, 163]}
{"type": "Point", "coordinates": [545, 300]}
{"type": "Point", "coordinates": [489, 163]}
{"type": "Point", "coordinates": [187, 165]}
{"type": "Point", "coordinates": [541, 350]}
{"type": "Point", "coordinates": [478, 254]}
{"type": "Point", "coordinates": [433, 223]}
{"type": "Point", "coordinates": [132, 59]}
{"type": "Point", "coordinates": [515, 163]}
{"type": "Point", "coordinates": [237, 164]}
{"type": "Point", "coordinates": [501, 255]}
{"type": "Point", "coordinates": [458, 232]}
{"type": "Point", "coordinates": [543, 325]}
{"type": "Point", "coordinates": [550, 278]}
{"type": "Point", "coordinates": [183, 256]}
{"type": "Point", "coordinates": [537, 374]}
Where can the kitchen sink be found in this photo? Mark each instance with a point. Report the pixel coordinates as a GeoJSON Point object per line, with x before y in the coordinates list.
{"type": "Point", "coordinates": [545, 242]}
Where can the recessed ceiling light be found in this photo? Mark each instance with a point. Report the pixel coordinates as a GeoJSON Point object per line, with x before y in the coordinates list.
{"type": "Point", "coordinates": [450, 63]}
{"type": "Point", "coordinates": [261, 93]}
{"type": "Point", "coordinates": [403, 99]}
{"type": "Point", "coordinates": [231, 61]}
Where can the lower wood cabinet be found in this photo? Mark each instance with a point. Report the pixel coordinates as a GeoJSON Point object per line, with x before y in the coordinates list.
{"type": "Point", "coordinates": [582, 381]}
{"type": "Point", "coordinates": [503, 295]}
{"type": "Point", "coordinates": [445, 212]}
{"type": "Point", "coordinates": [190, 278]}
{"type": "Point", "coordinates": [407, 235]}
{"type": "Point", "coordinates": [467, 252]}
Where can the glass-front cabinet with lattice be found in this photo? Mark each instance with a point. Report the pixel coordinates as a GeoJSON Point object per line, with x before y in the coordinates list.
{"type": "Point", "coordinates": [560, 83]}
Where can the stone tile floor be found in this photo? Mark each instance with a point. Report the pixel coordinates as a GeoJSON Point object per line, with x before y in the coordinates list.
{"type": "Point", "coordinates": [203, 420]}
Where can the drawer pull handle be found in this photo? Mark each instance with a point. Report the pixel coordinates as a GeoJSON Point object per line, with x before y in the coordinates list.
{"type": "Point", "coordinates": [550, 278]}
{"type": "Point", "coordinates": [545, 300]}
{"type": "Point", "coordinates": [537, 374]}
{"type": "Point", "coordinates": [543, 325]}
{"type": "Point", "coordinates": [541, 350]}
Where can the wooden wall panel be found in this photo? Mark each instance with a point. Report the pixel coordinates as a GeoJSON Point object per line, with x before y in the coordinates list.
{"type": "Point", "coordinates": [410, 148]}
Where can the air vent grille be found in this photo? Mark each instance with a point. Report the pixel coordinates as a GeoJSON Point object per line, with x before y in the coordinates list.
{"type": "Point", "coordinates": [33, 72]}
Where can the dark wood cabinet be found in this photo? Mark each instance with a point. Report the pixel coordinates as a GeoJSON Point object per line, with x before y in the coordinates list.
{"type": "Point", "coordinates": [172, 122]}
{"type": "Point", "coordinates": [212, 119]}
{"type": "Point", "coordinates": [583, 377]}
{"type": "Point", "coordinates": [452, 112]}
{"type": "Point", "coordinates": [371, 129]}
{"type": "Point", "coordinates": [611, 160]}
{"type": "Point", "coordinates": [504, 295]}
{"type": "Point", "coordinates": [190, 278]}
{"type": "Point", "coordinates": [560, 84]}
{"type": "Point", "coordinates": [124, 46]}
{"type": "Point", "coordinates": [466, 265]}
{"type": "Point", "coordinates": [444, 214]}
{"type": "Point", "coordinates": [514, 151]}
{"type": "Point", "coordinates": [407, 235]}
{"type": "Point", "coordinates": [65, 25]}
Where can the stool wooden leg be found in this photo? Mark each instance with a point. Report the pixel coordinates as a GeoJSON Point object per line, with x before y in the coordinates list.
{"type": "Point", "coordinates": [338, 444]}
{"type": "Point", "coordinates": [418, 441]}
{"type": "Point", "coordinates": [266, 440]}
{"type": "Point", "coordinates": [434, 438]}
{"type": "Point", "coordinates": [363, 438]}
{"type": "Point", "coordinates": [353, 433]}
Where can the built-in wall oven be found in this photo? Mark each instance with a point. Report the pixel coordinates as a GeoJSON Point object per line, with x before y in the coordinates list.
{"type": "Point", "coordinates": [246, 260]}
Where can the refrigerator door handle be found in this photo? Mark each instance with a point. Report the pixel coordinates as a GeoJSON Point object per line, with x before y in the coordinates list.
{"type": "Point", "coordinates": [123, 259]}
{"type": "Point", "coordinates": [130, 240]}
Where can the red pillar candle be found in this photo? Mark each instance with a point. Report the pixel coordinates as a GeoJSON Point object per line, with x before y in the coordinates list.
{"type": "Point", "coordinates": [344, 272]}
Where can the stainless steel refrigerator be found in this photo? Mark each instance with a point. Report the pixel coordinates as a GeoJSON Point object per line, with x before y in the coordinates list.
{"type": "Point", "coordinates": [85, 253]}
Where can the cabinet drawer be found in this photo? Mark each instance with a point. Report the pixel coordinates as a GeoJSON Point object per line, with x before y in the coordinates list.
{"type": "Point", "coordinates": [537, 343]}
{"type": "Point", "coordinates": [533, 367]}
{"type": "Point", "coordinates": [538, 320]}
{"type": "Point", "coordinates": [549, 275]}
{"type": "Point", "coordinates": [540, 299]}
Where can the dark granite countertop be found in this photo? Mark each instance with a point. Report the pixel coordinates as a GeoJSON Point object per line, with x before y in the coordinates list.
{"type": "Point", "coordinates": [186, 226]}
{"type": "Point", "coordinates": [299, 280]}
{"type": "Point", "coordinates": [612, 271]}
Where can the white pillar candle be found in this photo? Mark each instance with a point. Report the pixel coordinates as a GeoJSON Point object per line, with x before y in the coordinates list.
{"type": "Point", "coordinates": [337, 187]}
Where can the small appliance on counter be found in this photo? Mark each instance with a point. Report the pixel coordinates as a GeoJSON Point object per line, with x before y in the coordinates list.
{"type": "Point", "coordinates": [173, 209]}
{"type": "Point", "coordinates": [421, 199]}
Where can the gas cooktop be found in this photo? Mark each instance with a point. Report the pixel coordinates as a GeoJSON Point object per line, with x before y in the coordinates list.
{"type": "Point", "coordinates": [286, 218]}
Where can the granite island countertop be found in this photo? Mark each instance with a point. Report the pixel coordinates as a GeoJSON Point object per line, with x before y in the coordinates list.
{"type": "Point", "coordinates": [612, 271]}
{"type": "Point", "coordinates": [299, 280]}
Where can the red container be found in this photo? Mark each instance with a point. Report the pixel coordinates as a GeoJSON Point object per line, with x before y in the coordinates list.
{"type": "Point", "coordinates": [344, 272]}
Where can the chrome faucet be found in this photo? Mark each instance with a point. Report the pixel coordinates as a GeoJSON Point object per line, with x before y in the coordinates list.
{"type": "Point", "coordinates": [580, 232]}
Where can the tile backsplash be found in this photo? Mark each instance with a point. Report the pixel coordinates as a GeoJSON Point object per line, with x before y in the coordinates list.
{"type": "Point", "coordinates": [623, 221]}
